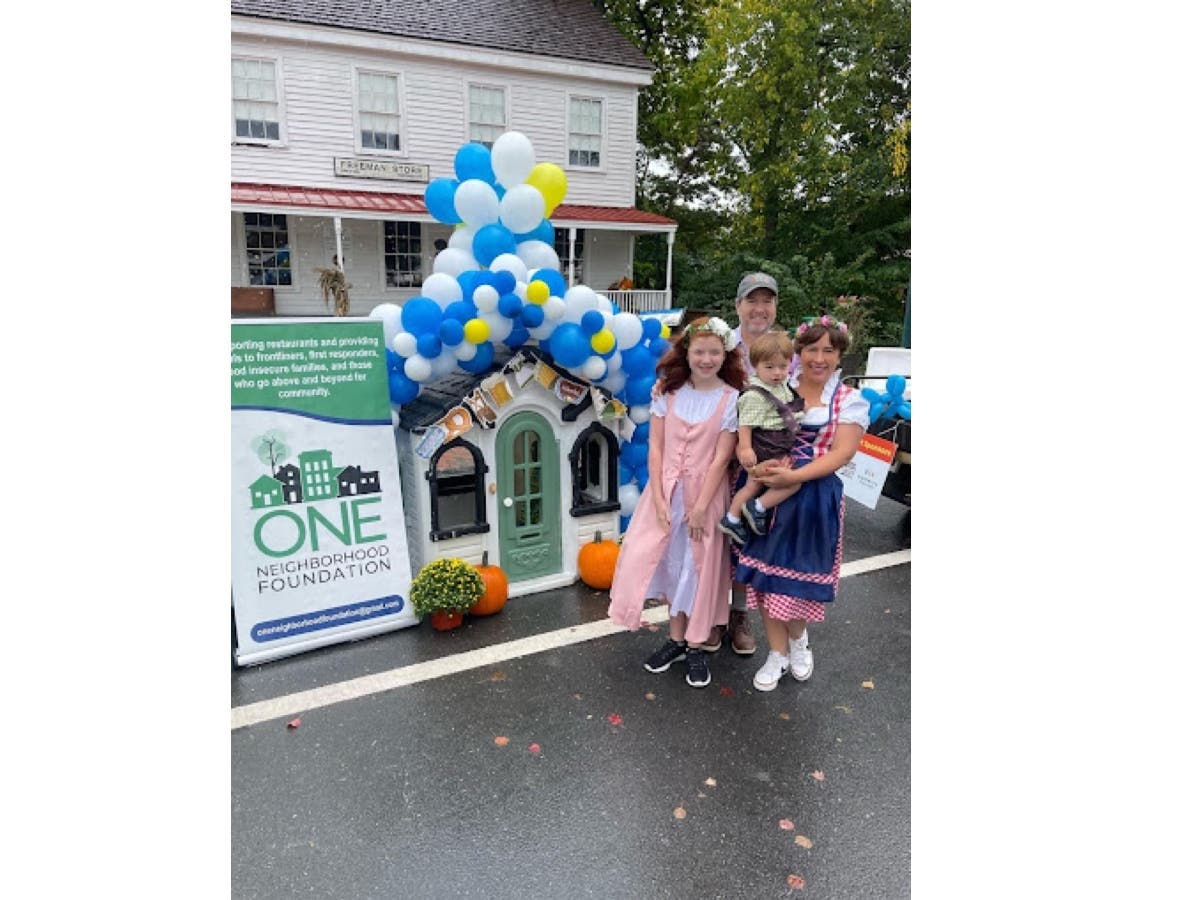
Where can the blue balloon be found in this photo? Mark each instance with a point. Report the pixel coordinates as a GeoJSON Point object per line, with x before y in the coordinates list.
{"type": "Point", "coordinates": [439, 200]}
{"type": "Point", "coordinates": [638, 361]}
{"type": "Point", "coordinates": [402, 389]}
{"type": "Point", "coordinates": [492, 240]}
{"type": "Point", "coordinates": [637, 390]}
{"type": "Point", "coordinates": [451, 332]}
{"type": "Point", "coordinates": [624, 472]}
{"type": "Point", "coordinates": [532, 315]}
{"type": "Point", "coordinates": [553, 279]}
{"type": "Point", "coordinates": [635, 455]}
{"type": "Point", "coordinates": [395, 362]}
{"type": "Point", "coordinates": [896, 385]}
{"type": "Point", "coordinates": [904, 410]}
{"type": "Point", "coordinates": [429, 346]}
{"type": "Point", "coordinates": [624, 520]}
{"type": "Point", "coordinates": [591, 322]}
{"type": "Point", "coordinates": [517, 337]}
{"type": "Point", "coordinates": [659, 346]}
{"type": "Point", "coordinates": [504, 282]}
{"type": "Point", "coordinates": [474, 161]}
{"type": "Point", "coordinates": [876, 410]}
{"type": "Point", "coordinates": [543, 233]}
{"type": "Point", "coordinates": [461, 310]}
{"type": "Point", "coordinates": [510, 306]}
{"type": "Point", "coordinates": [872, 396]}
{"type": "Point", "coordinates": [651, 328]}
{"type": "Point", "coordinates": [500, 190]}
{"type": "Point", "coordinates": [641, 434]}
{"type": "Point", "coordinates": [569, 345]}
{"type": "Point", "coordinates": [420, 315]}
{"type": "Point", "coordinates": [482, 359]}
{"type": "Point", "coordinates": [642, 474]}
{"type": "Point", "coordinates": [470, 280]}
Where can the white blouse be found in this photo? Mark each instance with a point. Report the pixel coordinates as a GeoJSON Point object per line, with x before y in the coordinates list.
{"type": "Point", "coordinates": [855, 409]}
{"type": "Point", "coordinates": [695, 406]}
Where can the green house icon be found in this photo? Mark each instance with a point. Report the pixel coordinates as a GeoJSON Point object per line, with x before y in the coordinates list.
{"type": "Point", "coordinates": [265, 491]}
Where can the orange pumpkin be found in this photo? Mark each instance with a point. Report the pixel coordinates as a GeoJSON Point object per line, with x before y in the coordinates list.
{"type": "Point", "coordinates": [597, 562]}
{"type": "Point", "coordinates": [495, 589]}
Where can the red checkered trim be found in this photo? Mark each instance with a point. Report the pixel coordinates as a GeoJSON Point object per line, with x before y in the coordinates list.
{"type": "Point", "coordinates": [781, 572]}
{"type": "Point", "coordinates": [785, 608]}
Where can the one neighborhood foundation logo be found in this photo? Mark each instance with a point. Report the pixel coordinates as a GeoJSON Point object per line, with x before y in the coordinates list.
{"type": "Point", "coordinates": [319, 520]}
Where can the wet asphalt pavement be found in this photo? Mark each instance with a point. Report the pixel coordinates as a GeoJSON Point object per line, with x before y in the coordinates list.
{"type": "Point", "coordinates": [612, 782]}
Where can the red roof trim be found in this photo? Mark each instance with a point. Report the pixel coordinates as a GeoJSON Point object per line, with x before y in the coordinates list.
{"type": "Point", "coordinates": [372, 201]}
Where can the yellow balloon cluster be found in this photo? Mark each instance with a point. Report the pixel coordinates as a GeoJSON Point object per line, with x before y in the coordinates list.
{"type": "Point", "coordinates": [603, 341]}
{"type": "Point", "coordinates": [538, 292]}
{"type": "Point", "coordinates": [551, 182]}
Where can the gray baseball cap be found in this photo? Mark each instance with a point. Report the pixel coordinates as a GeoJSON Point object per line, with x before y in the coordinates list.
{"type": "Point", "coordinates": [757, 280]}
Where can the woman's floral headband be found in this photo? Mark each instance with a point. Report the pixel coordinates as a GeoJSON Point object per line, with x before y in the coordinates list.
{"type": "Point", "coordinates": [827, 321]}
{"type": "Point", "coordinates": [715, 326]}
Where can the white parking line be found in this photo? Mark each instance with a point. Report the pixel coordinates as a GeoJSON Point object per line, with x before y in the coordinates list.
{"type": "Point", "coordinates": [304, 701]}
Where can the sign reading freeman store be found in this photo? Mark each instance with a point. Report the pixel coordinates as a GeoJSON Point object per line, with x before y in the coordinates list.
{"type": "Point", "coordinates": [320, 553]}
{"type": "Point", "coordinates": [381, 168]}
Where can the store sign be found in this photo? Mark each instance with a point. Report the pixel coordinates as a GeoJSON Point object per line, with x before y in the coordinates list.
{"type": "Point", "coordinates": [320, 553]}
{"type": "Point", "coordinates": [388, 169]}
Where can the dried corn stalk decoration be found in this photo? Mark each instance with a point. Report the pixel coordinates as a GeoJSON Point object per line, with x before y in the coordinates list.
{"type": "Point", "coordinates": [333, 284]}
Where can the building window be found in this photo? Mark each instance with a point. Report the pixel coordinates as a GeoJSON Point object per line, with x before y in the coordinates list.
{"type": "Point", "coordinates": [402, 253]}
{"type": "Point", "coordinates": [485, 114]}
{"type": "Point", "coordinates": [562, 242]}
{"type": "Point", "coordinates": [593, 461]}
{"type": "Point", "coordinates": [267, 252]}
{"type": "Point", "coordinates": [456, 495]}
{"type": "Point", "coordinates": [583, 132]}
{"type": "Point", "coordinates": [378, 111]}
{"type": "Point", "coordinates": [255, 99]}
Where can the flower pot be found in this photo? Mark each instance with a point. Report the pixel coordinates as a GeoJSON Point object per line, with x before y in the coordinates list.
{"type": "Point", "coordinates": [446, 621]}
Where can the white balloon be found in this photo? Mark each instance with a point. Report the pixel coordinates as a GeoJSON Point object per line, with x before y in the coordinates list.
{"type": "Point", "coordinates": [476, 203]}
{"type": "Point", "coordinates": [629, 495]}
{"type": "Point", "coordinates": [418, 368]}
{"type": "Point", "coordinates": [614, 362]}
{"type": "Point", "coordinates": [639, 414]}
{"type": "Point", "coordinates": [389, 315]}
{"type": "Point", "coordinates": [454, 262]}
{"type": "Point", "coordinates": [395, 418]}
{"type": "Point", "coordinates": [522, 208]}
{"type": "Point", "coordinates": [463, 239]}
{"type": "Point", "coordinates": [405, 343]}
{"type": "Point", "coordinates": [512, 159]}
{"type": "Point", "coordinates": [578, 300]}
{"type": "Point", "coordinates": [510, 262]}
{"type": "Point", "coordinates": [553, 309]}
{"type": "Point", "coordinates": [543, 331]}
{"type": "Point", "coordinates": [615, 382]}
{"type": "Point", "coordinates": [445, 363]}
{"type": "Point", "coordinates": [486, 298]}
{"type": "Point", "coordinates": [627, 329]}
{"type": "Point", "coordinates": [594, 368]}
{"type": "Point", "coordinates": [466, 350]}
{"type": "Point", "coordinates": [522, 290]}
{"type": "Point", "coordinates": [442, 288]}
{"type": "Point", "coordinates": [538, 255]}
{"type": "Point", "coordinates": [501, 326]}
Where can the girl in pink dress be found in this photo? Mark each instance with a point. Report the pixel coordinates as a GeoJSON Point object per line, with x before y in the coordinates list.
{"type": "Point", "coordinates": [672, 549]}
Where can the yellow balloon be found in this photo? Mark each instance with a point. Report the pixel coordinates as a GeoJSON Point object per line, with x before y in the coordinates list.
{"type": "Point", "coordinates": [603, 341]}
{"type": "Point", "coordinates": [477, 331]}
{"type": "Point", "coordinates": [538, 292]}
{"type": "Point", "coordinates": [551, 182]}
{"type": "Point", "coordinates": [666, 330]}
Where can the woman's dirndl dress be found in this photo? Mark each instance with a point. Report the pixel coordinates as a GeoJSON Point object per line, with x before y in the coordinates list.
{"type": "Point", "coordinates": [793, 569]}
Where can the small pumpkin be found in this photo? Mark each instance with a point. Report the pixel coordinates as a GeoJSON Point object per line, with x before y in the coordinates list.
{"type": "Point", "coordinates": [495, 589]}
{"type": "Point", "coordinates": [597, 562]}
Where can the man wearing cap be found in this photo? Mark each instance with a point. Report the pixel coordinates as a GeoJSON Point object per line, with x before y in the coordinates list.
{"type": "Point", "coordinates": [756, 306]}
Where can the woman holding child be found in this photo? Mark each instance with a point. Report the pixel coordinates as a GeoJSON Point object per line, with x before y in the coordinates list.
{"type": "Point", "coordinates": [791, 571]}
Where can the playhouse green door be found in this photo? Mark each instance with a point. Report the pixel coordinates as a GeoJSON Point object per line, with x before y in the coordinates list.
{"type": "Point", "coordinates": [527, 491]}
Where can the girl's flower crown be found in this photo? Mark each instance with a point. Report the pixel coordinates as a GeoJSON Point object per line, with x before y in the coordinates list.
{"type": "Point", "coordinates": [827, 321]}
{"type": "Point", "coordinates": [715, 326]}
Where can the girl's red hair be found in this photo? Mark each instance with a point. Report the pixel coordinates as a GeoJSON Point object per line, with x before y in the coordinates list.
{"type": "Point", "coordinates": [674, 371]}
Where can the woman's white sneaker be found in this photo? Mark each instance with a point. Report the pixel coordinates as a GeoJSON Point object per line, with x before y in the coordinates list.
{"type": "Point", "coordinates": [772, 670]}
{"type": "Point", "coordinates": [800, 658]}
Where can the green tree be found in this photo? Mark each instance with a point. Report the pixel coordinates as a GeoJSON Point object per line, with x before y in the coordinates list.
{"type": "Point", "coordinates": [271, 448]}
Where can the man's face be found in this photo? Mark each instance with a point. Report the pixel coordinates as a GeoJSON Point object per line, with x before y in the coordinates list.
{"type": "Point", "coordinates": [756, 313]}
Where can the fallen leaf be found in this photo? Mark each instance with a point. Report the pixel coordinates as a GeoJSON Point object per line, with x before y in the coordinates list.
{"type": "Point", "coordinates": [680, 812]}
{"type": "Point", "coordinates": [294, 724]}
{"type": "Point", "coordinates": [795, 882]}
{"type": "Point", "coordinates": [615, 719]}
{"type": "Point", "coordinates": [535, 748]}
{"type": "Point", "coordinates": [846, 708]}
{"type": "Point", "coordinates": [650, 695]}
{"type": "Point", "coordinates": [501, 741]}
{"type": "Point", "coordinates": [702, 796]}
{"type": "Point", "coordinates": [497, 676]}
{"type": "Point", "coordinates": [804, 842]}
{"type": "Point", "coordinates": [784, 716]}
{"type": "Point", "coordinates": [787, 824]}
{"type": "Point", "coordinates": [869, 685]}
{"type": "Point", "coordinates": [577, 696]}
{"type": "Point", "coordinates": [652, 627]}
{"type": "Point", "coordinates": [727, 692]}
{"type": "Point", "coordinates": [710, 781]}
{"type": "Point", "coordinates": [887, 610]}
{"type": "Point", "coordinates": [818, 775]}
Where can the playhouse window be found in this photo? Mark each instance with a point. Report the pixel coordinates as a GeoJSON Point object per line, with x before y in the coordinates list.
{"type": "Point", "coordinates": [456, 491]}
{"type": "Point", "coordinates": [594, 472]}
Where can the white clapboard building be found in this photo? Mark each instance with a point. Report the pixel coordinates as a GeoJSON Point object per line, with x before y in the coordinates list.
{"type": "Point", "coordinates": [342, 112]}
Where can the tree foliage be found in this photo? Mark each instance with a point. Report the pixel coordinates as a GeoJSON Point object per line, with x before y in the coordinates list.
{"type": "Point", "coordinates": [776, 132]}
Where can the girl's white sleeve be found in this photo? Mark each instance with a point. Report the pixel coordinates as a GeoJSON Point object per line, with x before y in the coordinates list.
{"type": "Point", "coordinates": [658, 405]}
{"type": "Point", "coordinates": [729, 419]}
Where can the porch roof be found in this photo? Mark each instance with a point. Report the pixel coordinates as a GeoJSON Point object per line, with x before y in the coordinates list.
{"type": "Point", "coordinates": [301, 200]}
